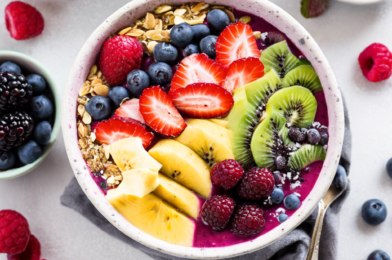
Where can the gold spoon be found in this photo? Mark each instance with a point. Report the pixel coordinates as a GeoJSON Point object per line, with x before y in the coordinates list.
{"type": "Point", "coordinates": [314, 247]}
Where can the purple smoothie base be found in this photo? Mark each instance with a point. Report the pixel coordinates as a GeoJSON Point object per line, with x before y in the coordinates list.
{"type": "Point", "coordinates": [204, 236]}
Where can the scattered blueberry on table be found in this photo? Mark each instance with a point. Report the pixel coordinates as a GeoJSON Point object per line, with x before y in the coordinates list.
{"type": "Point", "coordinates": [389, 167]}
{"type": "Point", "coordinates": [340, 179]}
{"type": "Point", "coordinates": [378, 255]}
{"type": "Point", "coordinates": [374, 212]}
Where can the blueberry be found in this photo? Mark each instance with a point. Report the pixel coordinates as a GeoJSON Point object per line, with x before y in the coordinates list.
{"type": "Point", "coordinates": [7, 160]}
{"type": "Point", "coordinates": [191, 49]}
{"type": "Point", "coordinates": [292, 202]}
{"type": "Point", "coordinates": [160, 73]}
{"type": "Point", "coordinates": [42, 132]}
{"type": "Point", "coordinates": [378, 255]}
{"type": "Point", "coordinates": [181, 34]}
{"type": "Point", "coordinates": [137, 81]}
{"type": "Point", "coordinates": [282, 217]}
{"type": "Point", "coordinates": [10, 67]}
{"type": "Point", "coordinates": [200, 31]}
{"type": "Point", "coordinates": [41, 107]}
{"type": "Point", "coordinates": [280, 162]}
{"type": "Point", "coordinates": [389, 167]}
{"type": "Point", "coordinates": [103, 185]}
{"type": "Point", "coordinates": [207, 45]}
{"type": "Point", "coordinates": [38, 83]}
{"type": "Point", "coordinates": [99, 108]}
{"type": "Point", "coordinates": [29, 152]}
{"type": "Point", "coordinates": [340, 179]}
{"type": "Point", "coordinates": [118, 94]}
{"type": "Point", "coordinates": [165, 52]}
{"type": "Point", "coordinates": [323, 135]}
{"type": "Point", "coordinates": [374, 212]}
{"type": "Point", "coordinates": [277, 195]}
{"type": "Point", "coordinates": [218, 20]}
{"type": "Point", "coordinates": [313, 136]}
{"type": "Point", "coordinates": [296, 134]}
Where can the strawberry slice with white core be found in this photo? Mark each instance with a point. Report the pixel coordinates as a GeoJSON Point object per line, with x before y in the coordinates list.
{"type": "Point", "coordinates": [130, 109]}
{"type": "Point", "coordinates": [197, 68]}
{"type": "Point", "coordinates": [159, 113]}
{"type": "Point", "coordinates": [241, 72]}
{"type": "Point", "coordinates": [236, 42]}
{"type": "Point", "coordinates": [202, 100]}
{"type": "Point", "coordinates": [114, 129]}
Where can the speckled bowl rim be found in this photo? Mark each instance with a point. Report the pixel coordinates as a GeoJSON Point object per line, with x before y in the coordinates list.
{"type": "Point", "coordinates": [282, 21]}
{"type": "Point", "coordinates": [34, 66]}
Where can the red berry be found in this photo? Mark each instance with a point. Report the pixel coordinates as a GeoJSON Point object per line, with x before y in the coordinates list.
{"type": "Point", "coordinates": [248, 221]}
{"type": "Point", "coordinates": [14, 232]}
{"type": "Point", "coordinates": [119, 56]}
{"type": "Point", "coordinates": [258, 183]}
{"type": "Point", "coordinates": [23, 21]}
{"type": "Point", "coordinates": [216, 211]}
{"type": "Point", "coordinates": [376, 62]}
{"type": "Point", "coordinates": [226, 173]}
{"type": "Point", "coordinates": [130, 109]}
{"type": "Point", "coordinates": [32, 252]}
{"type": "Point", "coordinates": [202, 100]}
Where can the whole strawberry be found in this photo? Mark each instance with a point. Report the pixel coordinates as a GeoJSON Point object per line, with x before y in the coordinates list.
{"type": "Point", "coordinates": [248, 221]}
{"type": "Point", "coordinates": [258, 183]}
{"type": "Point", "coordinates": [14, 232]}
{"type": "Point", "coordinates": [226, 173]}
{"type": "Point", "coordinates": [119, 56]}
{"type": "Point", "coordinates": [23, 21]}
{"type": "Point", "coordinates": [216, 211]}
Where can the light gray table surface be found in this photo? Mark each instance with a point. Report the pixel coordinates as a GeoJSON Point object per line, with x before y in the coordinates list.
{"type": "Point", "coordinates": [342, 33]}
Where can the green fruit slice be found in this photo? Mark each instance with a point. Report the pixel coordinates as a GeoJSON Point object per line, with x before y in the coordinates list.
{"type": "Point", "coordinates": [269, 140]}
{"type": "Point", "coordinates": [279, 58]}
{"type": "Point", "coordinates": [235, 114]}
{"type": "Point", "coordinates": [296, 104]}
{"type": "Point", "coordinates": [304, 76]}
{"type": "Point", "coordinates": [305, 156]}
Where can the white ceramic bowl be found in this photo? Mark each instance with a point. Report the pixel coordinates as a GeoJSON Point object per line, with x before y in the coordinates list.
{"type": "Point", "coordinates": [282, 21]}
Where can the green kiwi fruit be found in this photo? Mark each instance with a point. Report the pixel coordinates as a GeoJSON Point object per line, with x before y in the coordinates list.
{"type": "Point", "coordinates": [279, 58]}
{"type": "Point", "coordinates": [296, 104]}
{"type": "Point", "coordinates": [270, 140]}
{"type": "Point", "coordinates": [257, 94]}
{"type": "Point", "coordinates": [305, 156]}
{"type": "Point", "coordinates": [235, 114]}
{"type": "Point", "coordinates": [304, 76]}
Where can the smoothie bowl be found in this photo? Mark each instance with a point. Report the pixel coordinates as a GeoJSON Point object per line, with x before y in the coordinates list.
{"type": "Point", "coordinates": [203, 130]}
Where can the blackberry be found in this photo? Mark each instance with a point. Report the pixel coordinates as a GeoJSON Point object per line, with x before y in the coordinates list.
{"type": "Point", "coordinates": [15, 91]}
{"type": "Point", "coordinates": [15, 128]}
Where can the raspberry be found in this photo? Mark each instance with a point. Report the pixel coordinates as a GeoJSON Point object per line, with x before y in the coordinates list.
{"type": "Point", "coordinates": [216, 211]}
{"type": "Point", "coordinates": [23, 21]}
{"type": "Point", "coordinates": [248, 221]}
{"type": "Point", "coordinates": [14, 232]}
{"type": "Point", "coordinates": [258, 183]}
{"type": "Point", "coordinates": [376, 62]}
{"type": "Point", "coordinates": [226, 173]}
{"type": "Point", "coordinates": [32, 252]}
{"type": "Point", "coordinates": [119, 56]}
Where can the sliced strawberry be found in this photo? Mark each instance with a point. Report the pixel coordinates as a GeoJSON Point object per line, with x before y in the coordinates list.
{"type": "Point", "coordinates": [202, 100]}
{"type": "Point", "coordinates": [130, 109]}
{"type": "Point", "coordinates": [159, 113]}
{"type": "Point", "coordinates": [197, 68]}
{"type": "Point", "coordinates": [241, 72]}
{"type": "Point", "coordinates": [236, 42]}
{"type": "Point", "coordinates": [114, 129]}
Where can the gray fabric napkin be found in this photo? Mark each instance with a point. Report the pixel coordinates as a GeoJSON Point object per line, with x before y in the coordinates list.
{"type": "Point", "coordinates": [293, 246]}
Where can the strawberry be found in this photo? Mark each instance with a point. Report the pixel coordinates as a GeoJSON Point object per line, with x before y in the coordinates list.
{"type": "Point", "coordinates": [114, 129]}
{"type": "Point", "coordinates": [236, 42]}
{"type": "Point", "coordinates": [202, 100]}
{"type": "Point", "coordinates": [241, 72]}
{"type": "Point", "coordinates": [197, 68]}
{"type": "Point", "coordinates": [130, 109]}
{"type": "Point", "coordinates": [159, 113]}
{"type": "Point", "coordinates": [119, 56]}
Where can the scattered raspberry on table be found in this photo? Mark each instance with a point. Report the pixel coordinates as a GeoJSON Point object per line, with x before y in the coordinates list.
{"type": "Point", "coordinates": [376, 62]}
{"type": "Point", "coordinates": [14, 232]}
{"type": "Point", "coordinates": [32, 252]}
{"type": "Point", "coordinates": [23, 21]}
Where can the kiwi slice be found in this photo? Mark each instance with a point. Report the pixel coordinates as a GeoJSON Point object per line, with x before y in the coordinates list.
{"type": "Point", "coordinates": [257, 94]}
{"type": "Point", "coordinates": [296, 104]}
{"type": "Point", "coordinates": [304, 76]}
{"type": "Point", "coordinates": [305, 156]}
{"type": "Point", "coordinates": [279, 58]}
{"type": "Point", "coordinates": [270, 140]}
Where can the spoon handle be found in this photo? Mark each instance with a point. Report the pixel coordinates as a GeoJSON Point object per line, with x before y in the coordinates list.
{"type": "Point", "coordinates": [315, 241]}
